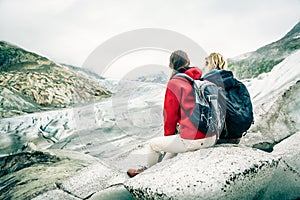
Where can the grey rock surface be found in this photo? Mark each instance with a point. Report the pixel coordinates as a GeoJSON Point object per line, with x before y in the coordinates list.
{"type": "Point", "coordinates": [90, 180]}
{"type": "Point", "coordinates": [117, 192]}
{"type": "Point", "coordinates": [38, 175]}
{"type": "Point", "coordinates": [55, 195]}
{"type": "Point", "coordinates": [222, 172]}
{"type": "Point", "coordinates": [288, 149]}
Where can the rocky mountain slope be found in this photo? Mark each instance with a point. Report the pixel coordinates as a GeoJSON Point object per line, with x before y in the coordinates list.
{"type": "Point", "coordinates": [84, 72]}
{"type": "Point", "coordinates": [262, 60]}
{"type": "Point", "coordinates": [15, 58]}
{"type": "Point", "coordinates": [30, 83]}
{"type": "Point", "coordinates": [119, 140]}
{"type": "Point", "coordinates": [116, 131]}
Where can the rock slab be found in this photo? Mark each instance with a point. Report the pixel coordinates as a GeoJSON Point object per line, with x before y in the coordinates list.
{"type": "Point", "coordinates": [91, 180]}
{"type": "Point", "coordinates": [221, 172]}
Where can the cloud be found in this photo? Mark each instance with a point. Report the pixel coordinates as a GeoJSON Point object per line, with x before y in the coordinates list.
{"type": "Point", "coordinates": [68, 31]}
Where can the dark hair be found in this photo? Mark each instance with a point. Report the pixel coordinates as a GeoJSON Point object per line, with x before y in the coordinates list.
{"type": "Point", "coordinates": [179, 59]}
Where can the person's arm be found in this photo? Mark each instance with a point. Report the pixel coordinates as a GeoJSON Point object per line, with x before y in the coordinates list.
{"type": "Point", "coordinates": [171, 110]}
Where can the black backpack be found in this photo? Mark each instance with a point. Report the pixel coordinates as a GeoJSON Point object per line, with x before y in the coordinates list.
{"type": "Point", "coordinates": [207, 114]}
{"type": "Point", "coordinates": [239, 110]}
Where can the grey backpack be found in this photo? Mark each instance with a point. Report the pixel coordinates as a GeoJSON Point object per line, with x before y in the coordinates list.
{"type": "Point", "coordinates": [207, 114]}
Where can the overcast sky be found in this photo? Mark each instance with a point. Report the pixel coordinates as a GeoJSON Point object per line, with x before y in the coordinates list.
{"type": "Point", "coordinates": [68, 31]}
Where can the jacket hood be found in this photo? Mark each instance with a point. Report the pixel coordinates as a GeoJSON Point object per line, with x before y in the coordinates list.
{"type": "Point", "coordinates": [194, 73]}
{"type": "Point", "coordinates": [221, 78]}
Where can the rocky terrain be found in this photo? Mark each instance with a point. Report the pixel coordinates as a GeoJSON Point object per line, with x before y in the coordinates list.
{"type": "Point", "coordinates": [16, 58]}
{"type": "Point", "coordinates": [221, 172]}
{"type": "Point", "coordinates": [84, 72]}
{"type": "Point", "coordinates": [83, 152]}
{"type": "Point", "coordinates": [241, 171]}
{"type": "Point", "coordinates": [262, 60]}
{"type": "Point", "coordinates": [108, 145]}
{"type": "Point", "coordinates": [31, 83]}
{"type": "Point", "coordinates": [36, 172]}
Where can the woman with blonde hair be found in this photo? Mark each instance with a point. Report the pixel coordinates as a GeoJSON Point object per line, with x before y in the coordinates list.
{"type": "Point", "coordinates": [235, 99]}
{"type": "Point", "coordinates": [215, 61]}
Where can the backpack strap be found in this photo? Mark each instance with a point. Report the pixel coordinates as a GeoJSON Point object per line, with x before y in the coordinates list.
{"type": "Point", "coordinates": [184, 76]}
{"type": "Point", "coordinates": [192, 81]}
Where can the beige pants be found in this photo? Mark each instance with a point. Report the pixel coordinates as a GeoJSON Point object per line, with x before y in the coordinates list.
{"type": "Point", "coordinates": [174, 144]}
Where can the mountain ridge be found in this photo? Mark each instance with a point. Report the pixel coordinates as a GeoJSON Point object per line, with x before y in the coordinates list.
{"type": "Point", "coordinates": [251, 64]}
{"type": "Point", "coordinates": [27, 75]}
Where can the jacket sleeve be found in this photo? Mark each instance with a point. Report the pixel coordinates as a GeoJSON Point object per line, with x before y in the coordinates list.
{"type": "Point", "coordinates": [171, 110]}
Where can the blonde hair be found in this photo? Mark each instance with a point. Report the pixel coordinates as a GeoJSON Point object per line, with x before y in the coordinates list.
{"type": "Point", "coordinates": [216, 61]}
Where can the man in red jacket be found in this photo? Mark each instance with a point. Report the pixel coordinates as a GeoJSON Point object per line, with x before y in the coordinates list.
{"type": "Point", "coordinates": [180, 135]}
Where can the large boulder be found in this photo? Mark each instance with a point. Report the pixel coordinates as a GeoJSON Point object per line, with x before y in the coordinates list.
{"type": "Point", "coordinates": [286, 185]}
{"type": "Point", "coordinates": [59, 174]}
{"type": "Point", "coordinates": [27, 174]}
{"type": "Point", "coordinates": [91, 180]}
{"type": "Point", "coordinates": [55, 195]}
{"type": "Point", "coordinates": [221, 172]}
{"type": "Point", "coordinates": [289, 151]}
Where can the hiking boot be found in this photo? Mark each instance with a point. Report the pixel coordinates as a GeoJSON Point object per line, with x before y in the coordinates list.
{"type": "Point", "coordinates": [133, 172]}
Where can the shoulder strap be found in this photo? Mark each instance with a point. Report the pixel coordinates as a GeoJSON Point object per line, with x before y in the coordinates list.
{"type": "Point", "coordinates": [228, 79]}
{"type": "Point", "coordinates": [184, 76]}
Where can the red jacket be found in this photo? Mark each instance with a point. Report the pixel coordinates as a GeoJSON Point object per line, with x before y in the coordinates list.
{"type": "Point", "coordinates": [179, 91]}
